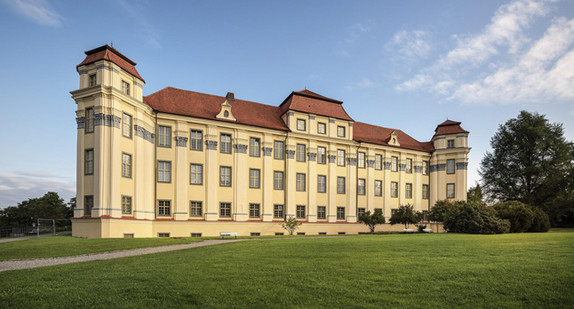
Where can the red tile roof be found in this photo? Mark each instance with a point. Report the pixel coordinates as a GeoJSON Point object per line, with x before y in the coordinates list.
{"type": "Point", "coordinates": [449, 127]}
{"type": "Point", "coordinates": [109, 53]}
{"type": "Point", "coordinates": [189, 103]}
{"type": "Point", "coordinates": [368, 133]}
{"type": "Point", "coordinates": [310, 102]}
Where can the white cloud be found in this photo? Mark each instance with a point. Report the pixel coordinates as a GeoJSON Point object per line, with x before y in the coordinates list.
{"type": "Point", "coordinates": [411, 44]}
{"type": "Point", "coordinates": [362, 84]}
{"type": "Point", "coordinates": [20, 186]}
{"type": "Point", "coordinates": [39, 11]}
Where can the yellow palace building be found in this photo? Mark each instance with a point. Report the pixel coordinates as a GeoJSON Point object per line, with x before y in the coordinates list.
{"type": "Point", "coordinates": [179, 163]}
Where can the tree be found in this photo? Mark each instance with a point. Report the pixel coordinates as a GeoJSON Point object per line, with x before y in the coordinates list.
{"type": "Point", "coordinates": [291, 224]}
{"type": "Point", "coordinates": [532, 163]}
{"type": "Point", "coordinates": [474, 218]}
{"type": "Point", "coordinates": [406, 215]}
{"type": "Point", "coordinates": [49, 206]}
{"type": "Point", "coordinates": [372, 220]}
{"type": "Point", "coordinates": [441, 207]}
{"type": "Point", "coordinates": [475, 194]}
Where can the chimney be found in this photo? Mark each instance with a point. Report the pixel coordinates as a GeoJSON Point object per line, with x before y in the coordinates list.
{"type": "Point", "coordinates": [230, 96]}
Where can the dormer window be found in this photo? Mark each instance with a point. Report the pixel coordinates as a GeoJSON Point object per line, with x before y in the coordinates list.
{"type": "Point", "coordinates": [225, 114]}
{"type": "Point", "coordinates": [341, 131]}
{"type": "Point", "coordinates": [125, 87]}
{"type": "Point", "coordinates": [92, 80]}
{"type": "Point", "coordinates": [301, 125]}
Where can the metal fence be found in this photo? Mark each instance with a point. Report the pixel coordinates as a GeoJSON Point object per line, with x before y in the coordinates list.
{"type": "Point", "coordinates": [43, 227]}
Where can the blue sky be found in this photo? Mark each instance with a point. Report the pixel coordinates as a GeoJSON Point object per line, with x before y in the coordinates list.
{"type": "Point", "coordinates": [401, 64]}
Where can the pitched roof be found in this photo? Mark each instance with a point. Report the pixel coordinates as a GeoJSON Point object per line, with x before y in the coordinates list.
{"type": "Point", "coordinates": [109, 53]}
{"type": "Point", "coordinates": [368, 133]}
{"type": "Point", "coordinates": [189, 103]}
{"type": "Point", "coordinates": [310, 102]}
{"type": "Point", "coordinates": [449, 127]}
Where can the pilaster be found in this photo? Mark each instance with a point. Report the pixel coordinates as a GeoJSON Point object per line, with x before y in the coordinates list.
{"type": "Point", "coordinates": [211, 174]}
{"type": "Point", "coordinates": [181, 171]}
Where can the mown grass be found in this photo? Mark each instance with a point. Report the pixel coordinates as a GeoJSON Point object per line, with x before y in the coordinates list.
{"type": "Point", "coordinates": [57, 246]}
{"type": "Point", "coordinates": [391, 271]}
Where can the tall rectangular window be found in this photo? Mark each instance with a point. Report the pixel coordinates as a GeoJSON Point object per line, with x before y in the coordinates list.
{"type": "Point", "coordinates": [126, 205]}
{"type": "Point", "coordinates": [278, 211]}
{"type": "Point", "coordinates": [450, 166]}
{"type": "Point", "coordinates": [340, 157]}
{"type": "Point", "coordinates": [126, 165]}
{"type": "Point", "coordinates": [125, 87]}
{"type": "Point", "coordinates": [196, 174]}
{"type": "Point", "coordinates": [394, 164]}
{"type": "Point", "coordinates": [277, 180]}
{"type": "Point", "coordinates": [394, 189]}
{"type": "Point", "coordinates": [450, 190]}
{"type": "Point", "coordinates": [361, 186]}
{"type": "Point", "coordinates": [340, 213]}
{"type": "Point", "coordinates": [195, 209]}
{"type": "Point", "coordinates": [378, 188]}
{"type": "Point", "coordinates": [341, 185]}
{"type": "Point", "coordinates": [340, 131]}
{"type": "Point", "coordinates": [360, 212]}
{"type": "Point", "coordinates": [92, 80]}
{"type": "Point", "coordinates": [409, 166]}
{"type": "Point", "coordinates": [163, 171]}
{"type": "Point", "coordinates": [426, 192]}
{"type": "Point", "coordinates": [321, 155]}
{"type": "Point", "coordinates": [301, 152]}
{"type": "Point", "coordinates": [301, 212]}
{"type": "Point", "coordinates": [254, 147]}
{"type": "Point", "coordinates": [89, 120]}
{"type": "Point", "coordinates": [164, 208]}
{"type": "Point", "coordinates": [378, 162]}
{"type": "Point", "coordinates": [321, 128]}
{"type": "Point", "coordinates": [164, 136]}
{"type": "Point", "coordinates": [321, 212]}
{"type": "Point", "coordinates": [196, 140]}
{"type": "Point", "coordinates": [225, 143]}
{"type": "Point", "coordinates": [225, 176]}
{"type": "Point", "coordinates": [426, 167]}
{"type": "Point", "coordinates": [88, 205]}
{"type": "Point", "coordinates": [254, 210]}
{"type": "Point", "coordinates": [89, 162]}
{"type": "Point", "coordinates": [300, 182]}
{"type": "Point", "coordinates": [301, 125]}
{"type": "Point", "coordinates": [361, 159]}
{"type": "Point", "coordinates": [225, 210]}
{"type": "Point", "coordinates": [408, 190]}
{"type": "Point", "coordinates": [254, 178]}
{"type": "Point", "coordinates": [321, 183]}
{"type": "Point", "coordinates": [278, 150]}
{"type": "Point", "coordinates": [127, 125]}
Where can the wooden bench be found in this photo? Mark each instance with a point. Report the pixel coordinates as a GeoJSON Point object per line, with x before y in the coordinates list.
{"type": "Point", "coordinates": [409, 230]}
{"type": "Point", "coordinates": [223, 235]}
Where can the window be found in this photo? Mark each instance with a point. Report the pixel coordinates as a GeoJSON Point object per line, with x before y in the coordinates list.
{"type": "Point", "coordinates": [378, 162]}
{"type": "Point", "coordinates": [409, 167]}
{"type": "Point", "coordinates": [196, 140]}
{"type": "Point", "coordinates": [360, 212]}
{"type": "Point", "coordinates": [394, 164]}
{"type": "Point", "coordinates": [301, 213]}
{"type": "Point", "coordinates": [225, 143]}
{"type": "Point", "coordinates": [164, 208]}
{"type": "Point", "coordinates": [321, 155]}
{"type": "Point", "coordinates": [195, 234]}
{"type": "Point", "coordinates": [321, 183]}
{"type": "Point", "coordinates": [450, 166]}
{"type": "Point", "coordinates": [163, 171]}
{"type": "Point", "coordinates": [301, 125]}
{"type": "Point", "coordinates": [300, 180]}
{"type": "Point", "coordinates": [279, 150]}
{"type": "Point", "coordinates": [89, 120]}
{"type": "Point", "coordinates": [426, 192]}
{"type": "Point", "coordinates": [255, 234]}
{"type": "Point", "coordinates": [425, 167]}
{"type": "Point", "coordinates": [127, 125]}
{"type": "Point", "coordinates": [341, 185]}
{"type": "Point", "coordinates": [408, 190]}
{"type": "Point", "coordinates": [278, 211]}
{"type": "Point", "coordinates": [225, 176]}
{"type": "Point", "coordinates": [254, 147]}
{"type": "Point", "coordinates": [126, 205]}
{"type": "Point", "coordinates": [195, 209]}
{"type": "Point", "coordinates": [301, 152]}
{"type": "Point", "coordinates": [450, 190]}
{"type": "Point", "coordinates": [164, 136]}
{"type": "Point", "coordinates": [340, 131]}
{"type": "Point", "coordinates": [166, 235]}
{"type": "Point", "coordinates": [254, 178]}
{"type": "Point", "coordinates": [277, 180]}
{"type": "Point", "coordinates": [321, 212]}
{"type": "Point", "coordinates": [196, 174]}
{"type": "Point", "coordinates": [361, 159]}
{"type": "Point", "coordinates": [125, 87]}
{"type": "Point", "coordinates": [225, 210]}
{"type": "Point", "coordinates": [340, 157]}
{"type": "Point", "coordinates": [126, 165]}
{"type": "Point", "coordinates": [321, 128]}
{"type": "Point", "coordinates": [89, 162]}
{"type": "Point", "coordinates": [254, 210]}
{"type": "Point", "coordinates": [340, 213]}
{"type": "Point", "coordinates": [361, 186]}
{"type": "Point", "coordinates": [92, 80]}
{"type": "Point", "coordinates": [88, 205]}
{"type": "Point", "coordinates": [394, 189]}
{"type": "Point", "coordinates": [226, 114]}
{"type": "Point", "coordinates": [450, 143]}
{"type": "Point", "coordinates": [378, 188]}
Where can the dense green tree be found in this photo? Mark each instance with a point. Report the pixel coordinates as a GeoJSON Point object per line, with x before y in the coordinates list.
{"type": "Point", "coordinates": [372, 220]}
{"type": "Point", "coordinates": [406, 215]}
{"type": "Point", "coordinates": [532, 163]}
{"type": "Point", "coordinates": [49, 206]}
{"type": "Point", "coordinates": [472, 218]}
{"type": "Point", "coordinates": [291, 224]}
{"type": "Point", "coordinates": [441, 207]}
{"type": "Point", "coordinates": [474, 194]}
{"type": "Point", "coordinates": [518, 214]}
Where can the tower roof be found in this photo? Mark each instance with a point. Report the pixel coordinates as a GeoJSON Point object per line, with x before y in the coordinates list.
{"type": "Point", "coordinates": [109, 53]}
{"type": "Point", "coordinates": [449, 127]}
{"type": "Point", "coordinates": [310, 102]}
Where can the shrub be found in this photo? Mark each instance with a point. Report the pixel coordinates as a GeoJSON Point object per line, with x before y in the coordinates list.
{"type": "Point", "coordinates": [406, 215]}
{"type": "Point", "coordinates": [541, 222]}
{"type": "Point", "coordinates": [474, 218]}
{"type": "Point", "coordinates": [441, 207]}
{"type": "Point", "coordinates": [518, 214]}
{"type": "Point", "coordinates": [372, 220]}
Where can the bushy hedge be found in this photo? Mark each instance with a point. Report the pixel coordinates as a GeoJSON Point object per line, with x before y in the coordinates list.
{"type": "Point", "coordinates": [474, 218]}
{"type": "Point", "coordinates": [523, 218]}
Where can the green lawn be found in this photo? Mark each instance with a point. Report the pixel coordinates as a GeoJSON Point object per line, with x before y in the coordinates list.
{"type": "Point", "coordinates": [398, 271]}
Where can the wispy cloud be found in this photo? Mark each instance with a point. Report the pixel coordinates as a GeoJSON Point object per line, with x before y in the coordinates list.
{"type": "Point", "coordinates": [19, 186]}
{"type": "Point", "coordinates": [139, 12]}
{"type": "Point", "coordinates": [353, 34]}
{"type": "Point", "coordinates": [362, 84]}
{"type": "Point", "coordinates": [38, 11]}
{"type": "Point", "coordinates": [411, 45]}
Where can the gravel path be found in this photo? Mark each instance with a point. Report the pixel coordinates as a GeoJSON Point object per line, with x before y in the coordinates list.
{"type": "Point", "coordinates": [25, 264]}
